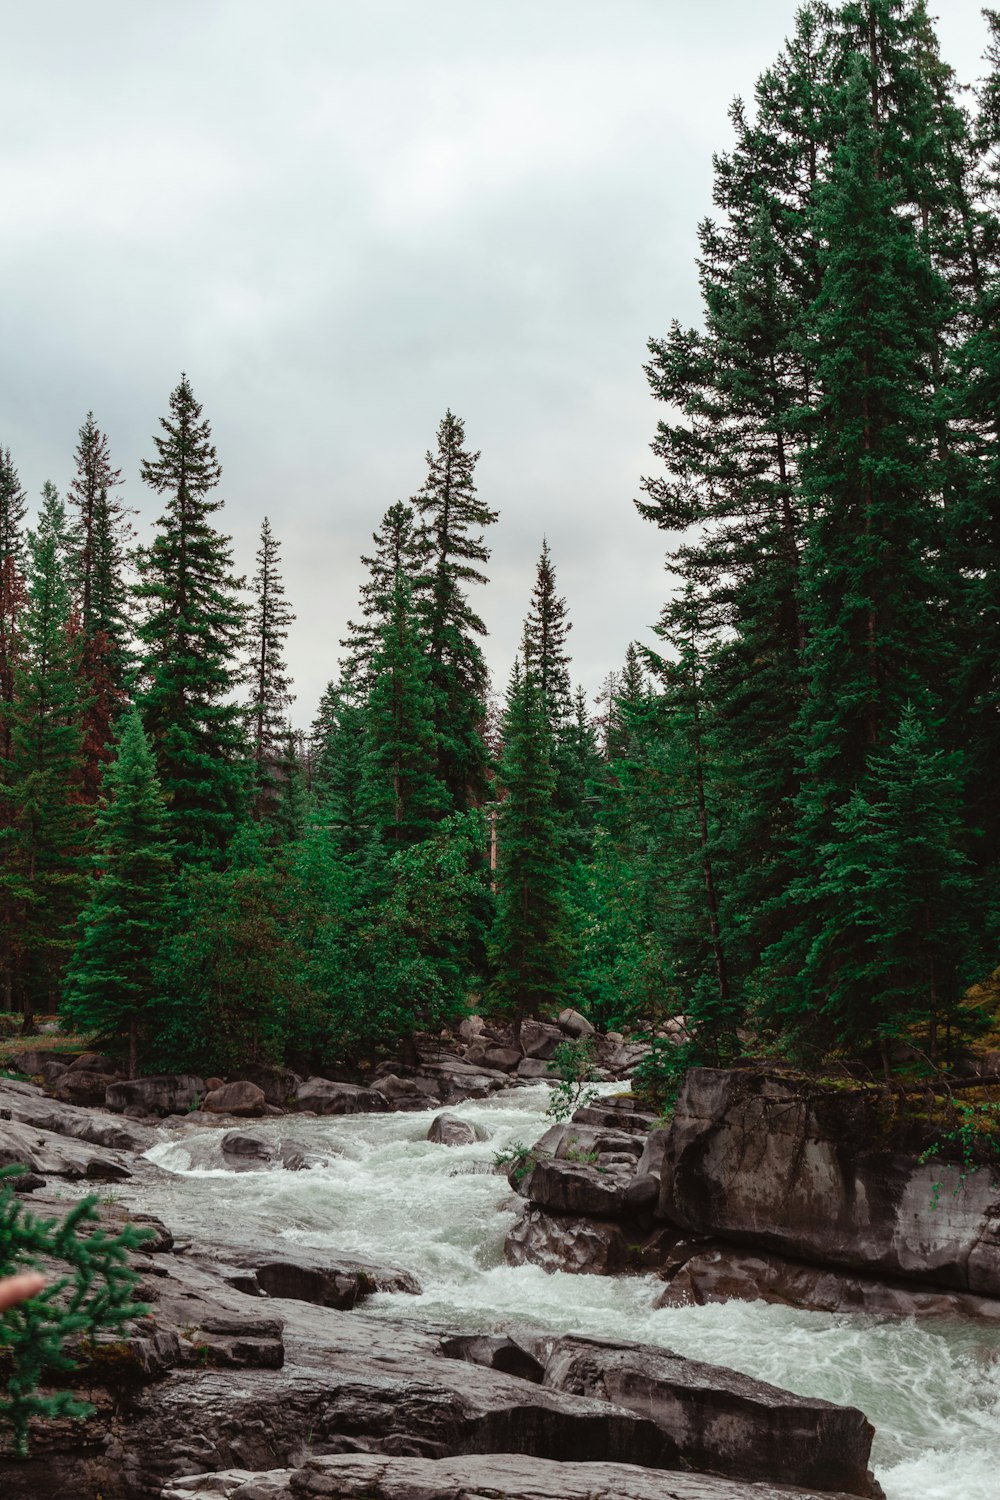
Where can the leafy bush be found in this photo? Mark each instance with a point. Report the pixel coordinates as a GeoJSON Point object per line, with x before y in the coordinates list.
{"type": "Point", "coordinates": [90, 1290]}
{"type": "Point", "coordinates": [574, 1062]}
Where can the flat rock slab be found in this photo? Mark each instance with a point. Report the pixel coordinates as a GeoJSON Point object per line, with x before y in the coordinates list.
{"type": "Point", "coordinates": [724, 1273]}
{"type": "Point", "coordinates": [481, 1476]}
{"type": "Point", "coordinates": [30, 1106]}
{"type": "Point", "coordinates": [48, 1154]}
{"type": "Point", "coordinates": [721, 1420]}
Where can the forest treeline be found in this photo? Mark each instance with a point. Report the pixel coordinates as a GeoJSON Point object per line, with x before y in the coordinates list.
{"type": "Point", "coordinates": [784, 823]}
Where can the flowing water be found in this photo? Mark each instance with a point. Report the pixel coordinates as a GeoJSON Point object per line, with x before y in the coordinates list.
{"type": "Point", "coordinates": [377, 1189]}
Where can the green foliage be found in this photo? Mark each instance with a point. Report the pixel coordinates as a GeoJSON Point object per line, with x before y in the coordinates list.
{"type": "Point", "coordinates": [92, 1290]}
{"type": "Point", "coordinates": [110, 981]}
{"type": "Point", "coordinates": [267, 676]}
{"type": "Point", "coordinates": [228, 978]}
{"type": "Point", "coordinates": [532, 946]}
{"type": "Point", "coordinates": [189, 637]}
{"type": "Point", "coordinates": [574, 1063]}
{"type": "Point", "coordinates": [453, 516]}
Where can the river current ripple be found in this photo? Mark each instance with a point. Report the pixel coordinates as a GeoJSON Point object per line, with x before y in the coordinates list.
{"type": "Point", "coordinates": [378, 1190]}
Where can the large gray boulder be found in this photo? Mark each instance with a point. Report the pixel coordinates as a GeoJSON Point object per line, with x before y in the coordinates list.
{"type": "Point", "coordinates": [450, 1130]}
{"type": "Point", "coordinates": [164, 1094]}
{"type": "Point", "coordinates": [720, 1420]}
{"type": "Point", "coordinates": [784, 1165]}
{"type": "Point", "coordinates": [240, 1098]}
{"type": "Point", "coordinates": [47, 1154]}
{"type": "Point", "coordinates": [329, 1098]}
{"type": "Point", "coordinates": [585, 1246]}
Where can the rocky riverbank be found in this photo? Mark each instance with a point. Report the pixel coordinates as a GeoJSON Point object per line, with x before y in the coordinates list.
{"type": "Point", "coordinates": [255, 1359]}
{"type": "Point", "coordinates": [763, 1187]}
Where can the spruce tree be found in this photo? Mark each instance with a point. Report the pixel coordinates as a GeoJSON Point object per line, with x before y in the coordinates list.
{"type": "Point", "coordinates": [338, 758]}
{"type": "Point", "coordinates": [869, 588]}
{"type": "Point", "coordinates": [98, 540]}
{"type": "Point", "coordinates": [44, 827]}
{"type": "Point", "coordinates": [110, 985]}
{"type": "Point", "coordinates": [13, 509]}
{"type": "Point", "coordinates": [531, 947]}
{"type": "Point", "coordinates": [401, 551]}
{"type": "Point", "coordinates": [189, 638]}
{"type": "Point", "coordinates": [545, 632]}
{"type": "Point", "coordinates": [267, 673]}
{"type": "Point", "coordinates": [403, 795]}
{"type": "Point", "coordinates": [454, 517]}
{"type": "Point", "coordinates": [894, 945]}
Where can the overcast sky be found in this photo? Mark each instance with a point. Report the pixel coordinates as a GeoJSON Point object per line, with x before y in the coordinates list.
{"type": "Point", "coordinates": [341, 217]}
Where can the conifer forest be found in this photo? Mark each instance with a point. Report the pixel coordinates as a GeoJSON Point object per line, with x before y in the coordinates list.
{"type": "Point", "coordinates": [782, 823]}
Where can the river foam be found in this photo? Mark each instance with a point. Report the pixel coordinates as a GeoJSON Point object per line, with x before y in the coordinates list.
{"type": "Point", "coordinates": [379, 1190]}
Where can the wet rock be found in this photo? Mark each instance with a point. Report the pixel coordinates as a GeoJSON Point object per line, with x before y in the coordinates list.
{"type": "Point", "coordinates": [452, 1079]}
{"type": "Point", "coordinates": [585, 1246]}
{"type": "Point", "coordinates": [720, 1420]}
{"type": "Point", "coordinates": [786, 1166]}
{"type": "Point", "coordinates": [489, 1055]}
{"type": "Point", "coordinates": [651, 1160]}
{"type": "Point", "coordinates": [93, 1062]}
{"type": "Point", "coordinates": [539, 1039]}
{"type": "Point", "coordinates": [406, 1093]}
{"type": "Point", "coordinates": [535, 1068]}
{"type": "Point", "coordinates": [723, 1273]}
{"type": "Point", "coordinates": [618, 1113]}
{"type": "Point", "coordinates": [166, 1093]}
{"type": "Point", "coordinates": [642, 1195]}
{"type": "Point", "coordinates": [326, 1281]}
{"type": "Point", "coordinates": [248, 1149]}
{"type": "Point", "coordinates": [496, 1351]}
{"type": "Point", "coordinates": [449, 1130]}
{"type": "Point", "coordinates": [26, 1103]}
{"type": "Point", "coordinates": [84, 1087]}
{"type": "Point", "coordinates": [239, 1098]}
{"type": "Point", "coordinates": [49, 1155]}
{"type": "Point", "coordinates": [278, 1084]}
{"type": "Point", "coordinates": [328, 1098]}
{"type": "Point", "coordinates": [475, 1476]}
{"type": "Point", "coordinates": [590, 1144]}
{"type": "Point", "coordinates": [577, 1187]}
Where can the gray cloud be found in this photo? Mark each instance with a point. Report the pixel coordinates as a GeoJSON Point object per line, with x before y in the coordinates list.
{"type": "Point", "coordinates": [341, 218]}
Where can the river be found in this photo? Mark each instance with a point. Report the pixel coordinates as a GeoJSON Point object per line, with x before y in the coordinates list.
{"type": "Point", "coordinates": [377, 1189]}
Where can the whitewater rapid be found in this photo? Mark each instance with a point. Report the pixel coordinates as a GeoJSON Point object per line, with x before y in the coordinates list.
{"type": "Point", "coordinates": [376, 1189]}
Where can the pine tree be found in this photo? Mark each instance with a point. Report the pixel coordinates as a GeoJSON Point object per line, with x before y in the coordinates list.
{"type": "Point", "coordinates": [545, 632]}
{"type": "Point", "coordinates": [873, 641]}
{"type": "Point", "coordinates": [189, 638]}
{"type": "Point", "coordinates": [894, 947]}
{"type": "Point", "coordinates": [44, 827]}
{"type": "Point", "coordinates": [531, 945]}
{"type": "Point", "coordinates": [339, 767]}
{"type": "Point", "coordinates": [109, 985]}
{"type": "Point", "coordinates": [453, 515]}
{"type": "Point", "coordinates": [267, 673]}
{"type": "Point", "coordinates": [402, 550]}
{"type": "Point", "coordinates": [13, 509]}
{"type": "Point", "coordinates": [403, 795]}
{"type": "Point", "coordinates": [98, 540]}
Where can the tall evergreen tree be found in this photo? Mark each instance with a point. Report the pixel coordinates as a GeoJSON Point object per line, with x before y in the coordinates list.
{"type": "Point", "coordinates": [189, 639]}
{"type": "Point", "coordinates": [267, 673]}
{"type": "Point", "coordinates": [44, 829]}
{"type": "Point", "coordinates": [339, 766]}
{"type": "Point", "coordinates": [402, 550]}
{"type": "Point", "coordinates": [110, 984]}
{"type": "Point", "coordinates": [869, 589]}
{"type": "Point", "coordinates": [403, 794]}
{"type": "Point", "coordinates": [98, 540]}
{"type": "Point", "coordinates": [545, 632]}
{"type": "Point", "coordinates": [13, 509]}
{"type": "Point", "coordinates": [454, 516]}
{"type": "Point", "coordinates": [531, 947]}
